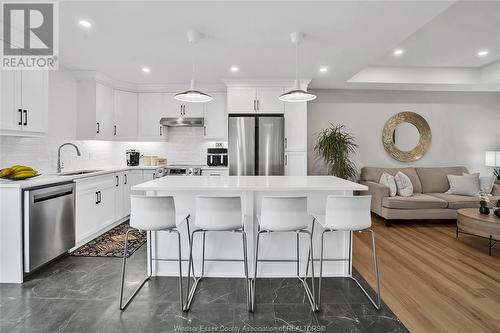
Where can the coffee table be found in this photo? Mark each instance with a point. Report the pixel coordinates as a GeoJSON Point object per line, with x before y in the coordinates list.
{"type": "Point", "coordinates": [471, 222]}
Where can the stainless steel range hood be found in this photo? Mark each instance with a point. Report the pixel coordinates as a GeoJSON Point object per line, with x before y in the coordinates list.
{"type": "Point", "coordinates": [183, 122]}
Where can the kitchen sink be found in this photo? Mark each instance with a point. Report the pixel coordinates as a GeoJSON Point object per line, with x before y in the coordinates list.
{"type": "Point", "coordinates": [78, 172]}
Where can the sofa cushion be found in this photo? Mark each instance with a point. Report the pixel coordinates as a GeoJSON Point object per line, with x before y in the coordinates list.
{"type": "Point", "coordinates": [416, 201]}
{"type": "Point", "coordinates": [435, 180]}
{"type": "Point", "coordinates": [460, 201]}
{"type": "Point", "coordinates": [373, 174]}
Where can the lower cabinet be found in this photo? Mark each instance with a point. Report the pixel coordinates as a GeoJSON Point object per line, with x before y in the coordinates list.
{"type": "Point", "coordinates": [295, 163]}
{"type": "Point", "coordinates": [95, 204]}
{"type": "Point", "coordinates": [215, 172]}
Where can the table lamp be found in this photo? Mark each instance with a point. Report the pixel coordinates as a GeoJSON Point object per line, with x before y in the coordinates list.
{"type": "Point", "coordinates": [492, 159]}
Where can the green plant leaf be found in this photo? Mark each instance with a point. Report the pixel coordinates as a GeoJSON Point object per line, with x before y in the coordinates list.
{"type": "Point", "coordinates": [335, 146]}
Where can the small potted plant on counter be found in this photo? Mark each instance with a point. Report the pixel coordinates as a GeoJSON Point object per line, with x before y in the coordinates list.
{"type": "Point", "coordinates": [484, 200]}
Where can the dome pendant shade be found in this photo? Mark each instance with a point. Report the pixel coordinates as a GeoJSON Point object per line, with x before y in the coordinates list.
{"type": "Point", "coordinates": [192, 95]}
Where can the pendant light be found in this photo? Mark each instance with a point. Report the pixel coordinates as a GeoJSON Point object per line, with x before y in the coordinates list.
{"type": "Point", "coordinates": [192, 95]}
{"type": "Point", "coordinates": [297, 94]}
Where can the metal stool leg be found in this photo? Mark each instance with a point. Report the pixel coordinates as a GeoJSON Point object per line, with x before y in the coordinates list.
{"type": "Point", "coordinates": [252, 309]}
{"type": "Point", "coordinates": [375, 267]}
{"type": "Point", "coordinates": [123, 306]}
{"type": "Point", "coordinates": [181, 293]}
{"type": "Point", "coordinates": [192, 291]}
{"type": "Point", "coordinates": [245, 262]}
{"type": "Point", "coordinates": [318, 304]}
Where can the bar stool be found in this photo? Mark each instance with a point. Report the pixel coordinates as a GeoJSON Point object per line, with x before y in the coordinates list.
{"type": "Point", "coordinates": [348, 213]}
{"type": "Point", "coordinates": [153, 213]}
{"type": "Point", "coordinates": [217, 214]}
{"type": "Point", "coordinates": [286, 214]}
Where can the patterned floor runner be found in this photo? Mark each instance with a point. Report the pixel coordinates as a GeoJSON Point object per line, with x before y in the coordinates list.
{"type": "Point", "coordinates": [110, 244]}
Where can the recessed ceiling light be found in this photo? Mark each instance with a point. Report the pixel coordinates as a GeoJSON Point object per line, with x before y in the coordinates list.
{"type": "Point", "coordinates": [85, 23]}
{"type": "Point", "coordinates": [483, 53]}
{"type": "Point", "coordinates": [398, 52]}
{"type": "Point", "coordinates": [323, 69]}
{"type": "Point", "coordinates": [234, 69]}
{"type": "Point", "coordinates": [146, 70]}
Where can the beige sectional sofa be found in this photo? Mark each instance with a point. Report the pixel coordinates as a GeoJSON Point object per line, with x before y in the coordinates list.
{"type": "Point", "coordinates": [429, 200]}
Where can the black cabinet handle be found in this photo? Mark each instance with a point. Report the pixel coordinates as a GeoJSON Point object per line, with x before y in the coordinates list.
{"type": "Point", "coordinates": [100, 196]}
{"type": "Point", "coordinates": [20, 123]}
{"type": "Point", "coordinates": [115, 130]}
{"type": "Point", "coordinates": [96, 197]}
{"type": "Point", "coordinates": [117, 181]}
{"type": "Point", "coordinates": [125, 179]}
{"type": "Point", "coordinates": [98, 127]}
{"type": "Point", "coordinates": [160, 131]}
{"type": "Point", "coordinates": [258, 105]}
{"type": "Point", "coordinates": [25, 117]}
{"type": "Point", "coordinates": [254, 105]}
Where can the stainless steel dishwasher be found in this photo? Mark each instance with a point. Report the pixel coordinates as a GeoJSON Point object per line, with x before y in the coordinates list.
{"type": "Point", "coordinates": [49, 223]}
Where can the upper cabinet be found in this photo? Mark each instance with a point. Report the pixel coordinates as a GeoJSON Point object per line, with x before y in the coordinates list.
{"type": "Point", "coordinates": [95, 111]}
{"type": "Point", "coordinates": [296, 126]}
{"type": "Point", "coordinates": [24, 102]}
{"type": "Point", "coordinates": [254, 100]}
{"type": "Point", "coordinates": [216, 118]}
{"type": "Point", "coordinates": [125, 115]}
{"type": "Point", "coordinates": [175, 108]}
{"type": "Point", "coordinates": [151, 107]}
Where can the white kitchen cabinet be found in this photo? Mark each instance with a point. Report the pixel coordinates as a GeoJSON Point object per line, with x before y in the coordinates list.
{"type": "Point", "coordinates": [241, 100]}
{"type": "Point", "coordinates": [151, 107]}
{"type": "Point", "coordinates": [296, 126]}
{"type": "Point", "coordinates": [129, 178]}
{"type": "Point", "coordinates": [149, 175]}
{"type": "Point", "coordinates": [120, 186]}
{"type": "Point", "coordinates": [216, 118]}
{"type": "Point", "coordinates": [175, 108]}
{"type": "Point", "coordinates": [267, 100]}
{"type": "Point", "coordinates": [86, 222]}
{"type": "Point", "coordinates": [24, 102]}
{"type": "Point", "coordinates": [296, 163]}
{"type": "Point", "coordinates": [104, 112]}
{"type": "Point", "coordinates": [254, 100]}
{"type": "Point", "coordinates": [125, 115]}
{"type": "Point", "coordinates": [95, 205]}
{"type": "Point", "coordinates": [95, 111]}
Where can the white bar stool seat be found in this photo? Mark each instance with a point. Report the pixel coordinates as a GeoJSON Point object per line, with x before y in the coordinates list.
{"type": "Point", "coordinates": [153, 213]}
{"type": "Point", "coordinates": [286, 214]}
{"type": "Point", "coordinates": [348, 213]}
{"type": "Point", "coordinates": [217, 214]}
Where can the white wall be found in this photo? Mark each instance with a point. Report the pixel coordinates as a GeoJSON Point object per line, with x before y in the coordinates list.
{"type": "Point", "coordinates": [463, 125]}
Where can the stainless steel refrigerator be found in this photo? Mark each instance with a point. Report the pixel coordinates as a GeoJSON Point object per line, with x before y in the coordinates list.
{"type": "Point", "coordinates": [256, 145]}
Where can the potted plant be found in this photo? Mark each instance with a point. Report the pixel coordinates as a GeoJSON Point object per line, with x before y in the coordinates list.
{"type": "Point", "coordinates": [335, 146]}
{"type": "Point", "coordinates": [484, 200]}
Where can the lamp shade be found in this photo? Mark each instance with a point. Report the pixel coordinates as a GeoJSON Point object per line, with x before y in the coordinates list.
{"type": "Point", "coordinates": [492, 159]}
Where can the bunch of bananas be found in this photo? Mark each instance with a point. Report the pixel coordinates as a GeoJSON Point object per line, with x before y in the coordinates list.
{"type": "Point", "coordinates": [18, 172]}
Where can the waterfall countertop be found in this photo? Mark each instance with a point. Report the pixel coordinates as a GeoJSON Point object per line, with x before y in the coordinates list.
{"type": "Point", "coordinates": [250, 183]}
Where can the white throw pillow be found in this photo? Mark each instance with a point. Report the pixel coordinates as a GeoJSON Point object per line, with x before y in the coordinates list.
{"type": "Point", "coordinates": [404, 185]}
{"type": "Point", "coordinates": [389, 181]}
{"type": "Point", "coordinates": [485, 183]}
{"type": "Point", "coordinates": [464, 185]}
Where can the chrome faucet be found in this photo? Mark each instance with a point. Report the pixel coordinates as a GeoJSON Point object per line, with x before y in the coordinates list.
{"type": "Point", "coordinates": [59, 163]}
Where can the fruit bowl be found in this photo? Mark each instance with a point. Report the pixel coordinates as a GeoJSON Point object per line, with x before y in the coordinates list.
{"type": "Point", "coordinates": [18, 172]}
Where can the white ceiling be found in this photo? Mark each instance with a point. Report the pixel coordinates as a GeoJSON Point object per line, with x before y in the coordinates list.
{"type": "Point", "coordinates": [347, 37]}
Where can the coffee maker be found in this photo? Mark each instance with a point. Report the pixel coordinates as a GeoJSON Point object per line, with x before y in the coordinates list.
{"type": "Point", "coordinates": [133, 157]}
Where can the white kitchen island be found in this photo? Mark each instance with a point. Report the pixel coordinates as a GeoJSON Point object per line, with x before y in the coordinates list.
{"type": "Point", "coordinates": [221, 248]}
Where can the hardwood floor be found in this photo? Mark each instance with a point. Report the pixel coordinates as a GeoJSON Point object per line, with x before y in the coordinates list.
{"type": "Point", "coordinates": [432, 281]}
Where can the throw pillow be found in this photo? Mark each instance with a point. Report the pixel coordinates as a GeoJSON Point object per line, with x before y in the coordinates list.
{"type": "Point", "coordinates": [485, 183]}
{"type": "Point", "coordinates": [388, 180]}
{"type": "Point", "coordinates": [404, 185]}
{"type": "Point", "coordinates": [464, 185]}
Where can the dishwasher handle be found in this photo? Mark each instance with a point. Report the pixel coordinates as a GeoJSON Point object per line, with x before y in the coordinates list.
{"type": "Point", "coordinates": [51, 192]}
{"type": "Point", "coordinates": [44, 197]}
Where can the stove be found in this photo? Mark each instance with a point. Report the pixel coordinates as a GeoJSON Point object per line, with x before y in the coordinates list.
{"type": "Point", "coordinates": [179, 170]}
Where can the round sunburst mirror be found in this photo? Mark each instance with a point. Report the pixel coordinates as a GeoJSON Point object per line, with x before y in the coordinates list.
{"type": "Point", "coordinates": [407, 136]}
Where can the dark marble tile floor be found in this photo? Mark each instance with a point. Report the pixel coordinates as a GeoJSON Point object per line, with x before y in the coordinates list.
{"type": "Point", "coordinates": [77, 294]}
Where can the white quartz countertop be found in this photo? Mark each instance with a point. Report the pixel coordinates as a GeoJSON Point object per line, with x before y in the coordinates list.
{"type": "Point", "coordinates": [250, 183]}
{"type": "Point", "coordinates": [53, 178]}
